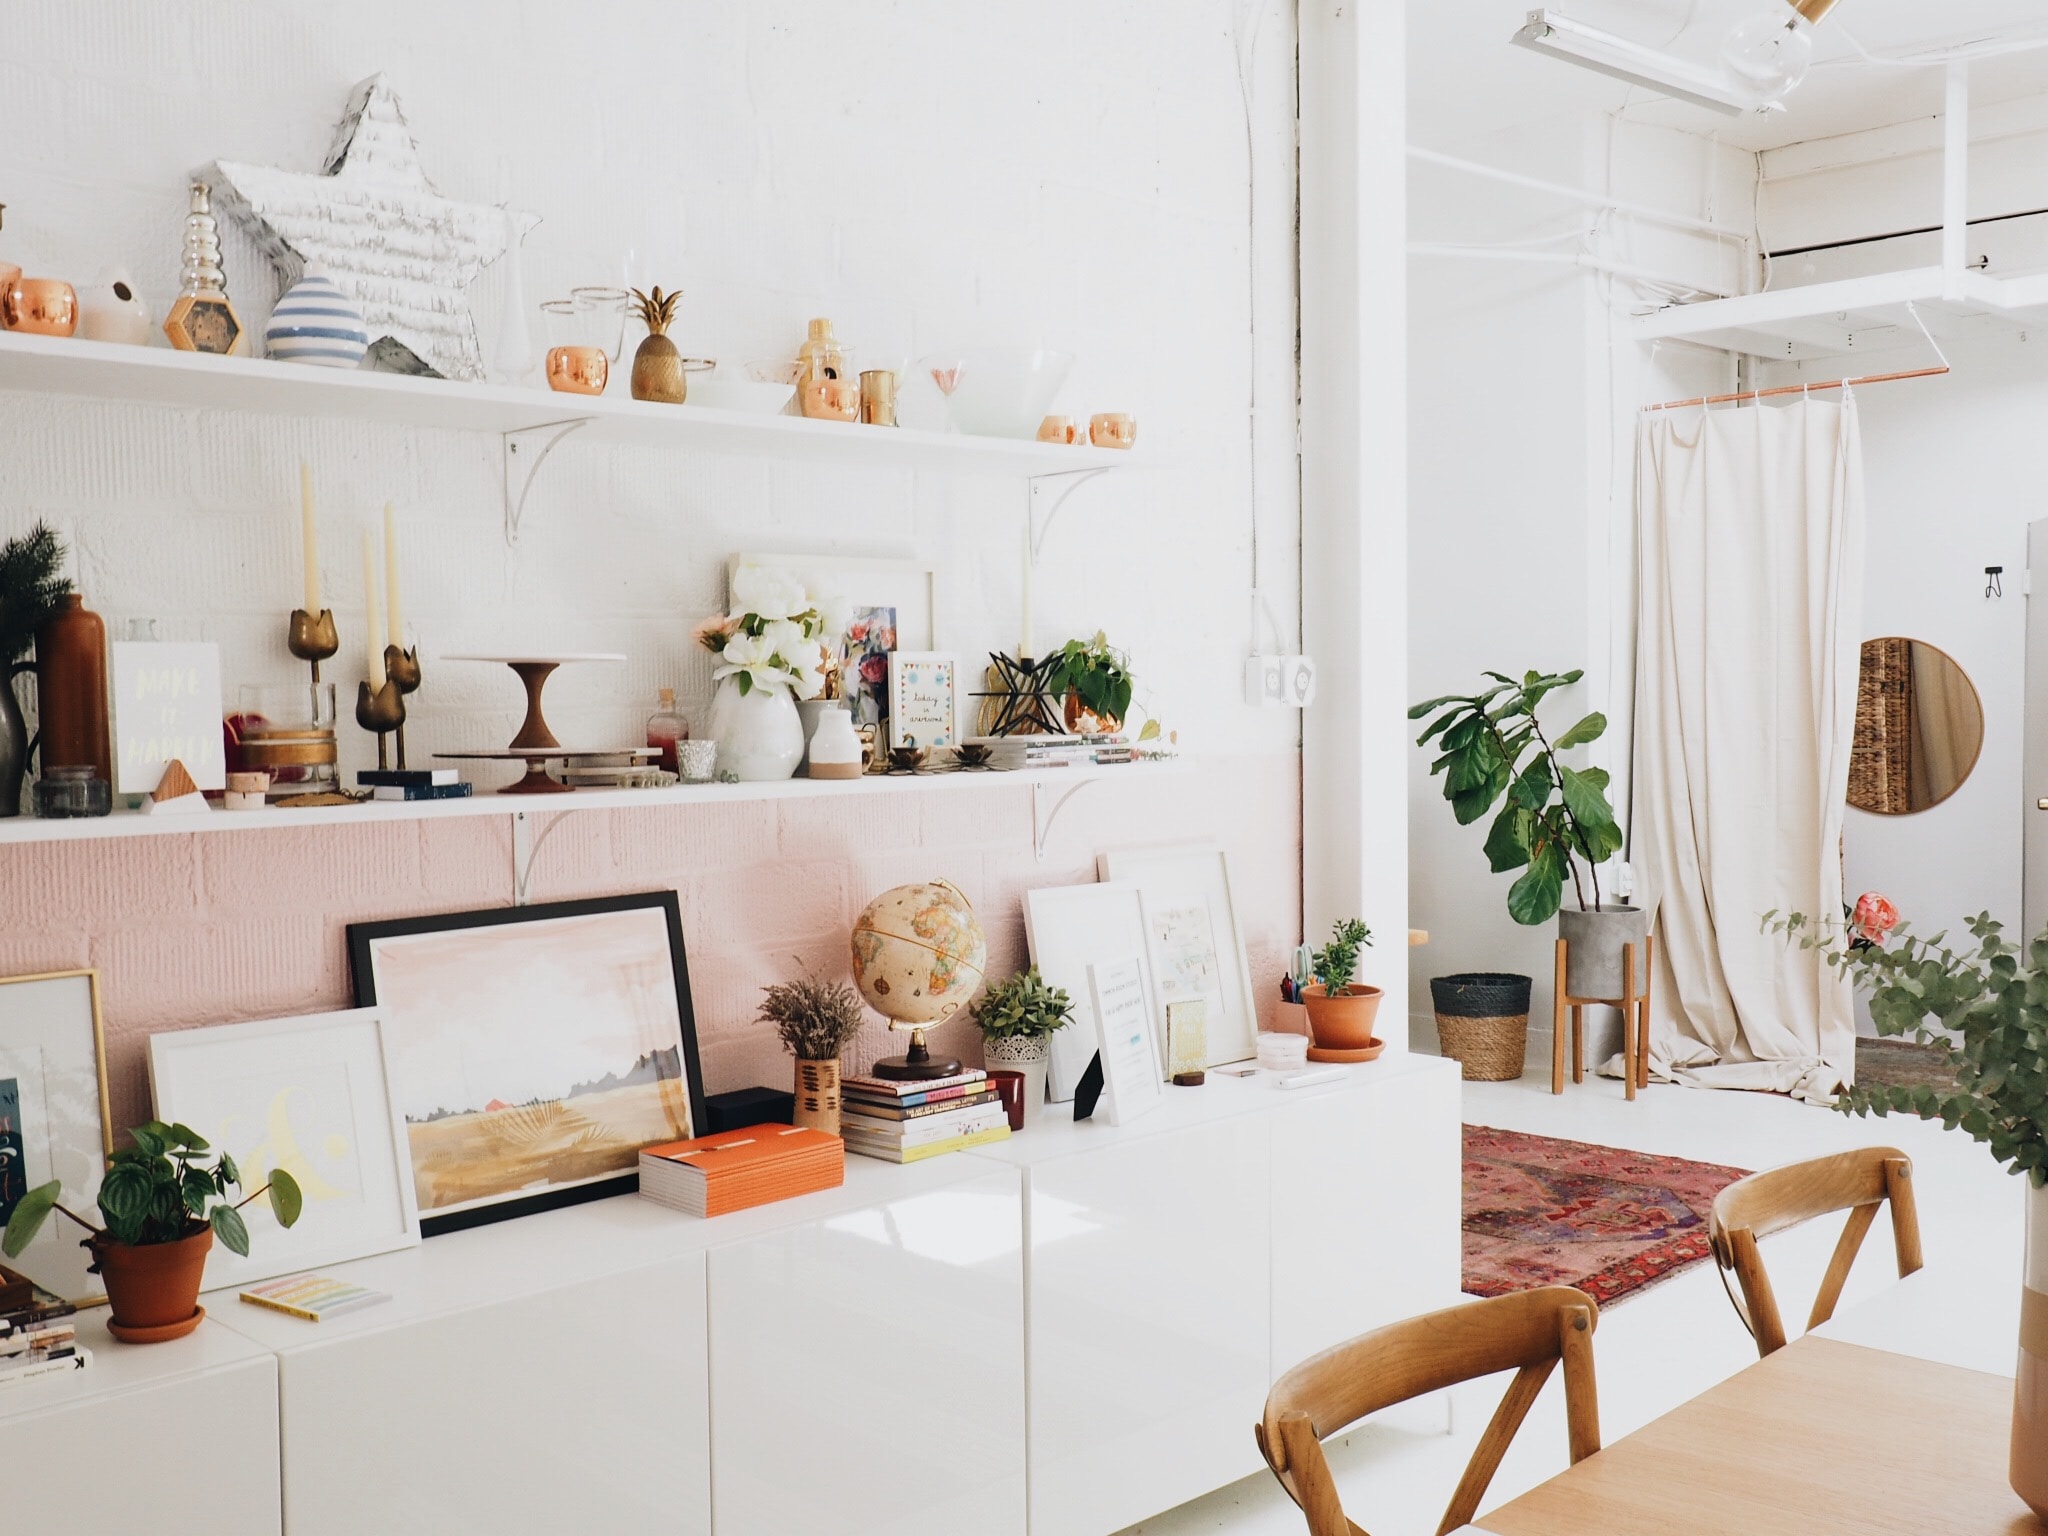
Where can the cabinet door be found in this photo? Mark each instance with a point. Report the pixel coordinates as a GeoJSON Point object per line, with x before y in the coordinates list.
{"type": "Point", "coordinates": [1366, 1192]}
{"type": "Point", "coordinates": [867, 1370]}
{"type": "Point", "coordinates": [578, 1409]}
{"type": "Point", "coordinates": [1149, 1293]}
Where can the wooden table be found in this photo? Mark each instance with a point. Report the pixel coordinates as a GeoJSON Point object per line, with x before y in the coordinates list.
{"type": "Point", "coordinates": [1821, 1439]}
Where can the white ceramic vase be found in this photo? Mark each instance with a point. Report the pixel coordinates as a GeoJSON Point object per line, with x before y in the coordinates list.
{"type": "Point", "coordinates": [759, 733]}
{"type": "Point", "coordinates": [1028, 1054]}
{"type": "Point", "coordinates": [317, 323]}
{"type": "Point", "coordinates": [2029, 1467]}
{"type": "Point", "coordinates": [111, 310]}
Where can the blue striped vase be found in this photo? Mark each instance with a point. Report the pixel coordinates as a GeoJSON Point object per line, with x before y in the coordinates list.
{"type": "Point", "coordinates": [317, 323]}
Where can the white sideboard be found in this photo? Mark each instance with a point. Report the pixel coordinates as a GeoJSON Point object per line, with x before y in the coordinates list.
{"type": "Point", "coordinates": [1062, 1333]}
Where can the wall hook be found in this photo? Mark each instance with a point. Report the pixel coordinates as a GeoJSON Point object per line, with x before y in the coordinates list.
{"type": "Point", "coordinates": [1994, 581]}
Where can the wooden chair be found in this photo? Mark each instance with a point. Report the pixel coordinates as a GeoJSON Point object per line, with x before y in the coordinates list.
{"type": "Point", "coordinates": [1529, 1332]}
{"type": "Point", "coordinates": [1857, 1182]}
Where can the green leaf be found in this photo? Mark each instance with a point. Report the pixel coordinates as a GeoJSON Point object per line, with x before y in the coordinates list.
{"type": "Point", "coordinates": [125, 1193]}
{"type": "Point", "coordinates": [1535, 898]}
{"type": "Point", "coordinates": [233, 1232]}
{"type": "Point", "coordinates": [1149, 731]}
{"type": "Point", "coordinates": [1592, 728]}
{"type": "Point", "coordinates": [285, 1200]}
{"type": "Point", "coordinates": [184, 1136]}
{"type": "Point", "coordinates": [1507, 845]}
{"type": "Point", "coordinates": [1587, 804]}
{"type": "Point", "coordinates": [226, 1172]}
{"type": "Point", "coordinates": [1416, 712]}
{"type": "Point", "coordinates": [198, 1189]}
{"type": "Point", "coordinates": [152, 1139]}
{"type": "Point", "coordinates": [30, 1212]}
{"type": "Point", "coordinates": [1532, 789]}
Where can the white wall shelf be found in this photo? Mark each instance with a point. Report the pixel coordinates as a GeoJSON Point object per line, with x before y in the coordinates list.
{"type": "Point", "coordinates": [31, 829]}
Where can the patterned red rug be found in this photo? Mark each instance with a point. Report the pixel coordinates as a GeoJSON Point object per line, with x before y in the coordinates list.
{"type": "Point", "coordinates": [1539, 1211]}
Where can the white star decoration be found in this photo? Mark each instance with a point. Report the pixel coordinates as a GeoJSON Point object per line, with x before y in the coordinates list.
{"type": "Point", "coordinates": [403, 252]}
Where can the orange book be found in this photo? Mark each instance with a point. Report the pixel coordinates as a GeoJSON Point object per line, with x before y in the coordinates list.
{"type": "Point", "coordinates": [711, 1175]}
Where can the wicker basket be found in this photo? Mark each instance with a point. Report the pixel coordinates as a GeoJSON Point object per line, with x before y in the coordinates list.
{"type": "Point", "coordinates": [1881, 752]}
{"type": "Point", "coordinates": [1482, 1022]}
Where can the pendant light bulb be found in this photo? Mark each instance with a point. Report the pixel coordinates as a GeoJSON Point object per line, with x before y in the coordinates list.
{"type": "Point", "coordinates": [1771, 52]}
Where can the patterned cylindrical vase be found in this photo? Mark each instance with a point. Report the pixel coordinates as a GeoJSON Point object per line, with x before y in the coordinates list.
{"type": "Point", "coordinates": [1029, 1054]}
{"type": "Point", "coordinates": [2029, 1469]}
{"type": "Point", "coordinates": [817, 1095]}
{"type": "Point", "coordinates": [317, 323]}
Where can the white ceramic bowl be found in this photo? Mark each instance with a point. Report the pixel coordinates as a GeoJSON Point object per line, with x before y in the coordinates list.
{"type": "Point", "coordinates": [739, 395]}
{"type": "Point", "coordinates": [999, 391]}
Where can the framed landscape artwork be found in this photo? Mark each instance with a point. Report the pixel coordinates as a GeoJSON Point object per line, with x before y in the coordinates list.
{"type": "Point", "coordinates": [53, 1116]}
{"type": "Point", "coordinates": [309, 1095]}
{"type": "Point", "coordinates": [535, 1050]}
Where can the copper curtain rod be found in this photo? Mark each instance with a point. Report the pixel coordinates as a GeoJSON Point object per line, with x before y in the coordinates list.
{"type": "Point", "coordinates": [1798, 389]}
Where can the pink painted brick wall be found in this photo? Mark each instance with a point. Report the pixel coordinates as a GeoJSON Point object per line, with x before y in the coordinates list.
{"type": "Point", "coordinates": [212, 928]}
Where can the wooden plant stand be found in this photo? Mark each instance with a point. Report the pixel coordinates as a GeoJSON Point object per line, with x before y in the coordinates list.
{"type": "Point", "coordinates": [1634, 1004]}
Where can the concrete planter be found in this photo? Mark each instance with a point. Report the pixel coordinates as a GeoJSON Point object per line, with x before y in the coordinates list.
{"type": "Point", "coordinates": [1593, 962]}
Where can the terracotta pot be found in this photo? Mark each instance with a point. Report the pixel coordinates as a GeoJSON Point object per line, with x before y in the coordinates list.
{"type": "Point", "coordinates": [1084, 721]}
{"type": "Point", "coordinates": [817, 1096]}
{"type": "Point", "coordinates": [1342, 1023]}
{"type": "Point", "coordinates": [153, 1290]}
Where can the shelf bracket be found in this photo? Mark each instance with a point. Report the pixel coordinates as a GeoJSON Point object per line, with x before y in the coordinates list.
{"type": "Point", "coordinates": [1048, 494]}
{"type": "Point", "coordinates": [1043, 816]}
{"type": "Point", "coordinates": [525, 844]}
{"type": "Point", "coordinates": [525, 451]}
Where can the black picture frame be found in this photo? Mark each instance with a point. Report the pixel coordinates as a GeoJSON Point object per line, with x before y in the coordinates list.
{"type": "Point", "coordinates": [363, 936]}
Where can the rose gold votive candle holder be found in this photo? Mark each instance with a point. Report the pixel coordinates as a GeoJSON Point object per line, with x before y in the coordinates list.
{"type": "Point", "coordinates": [578, 370]}
{"type": "Point", "coordinates": [9, 276]}
{"type": "Point", "coordinates": [1113, 429]}
{"type": "Point", "coordinates": [41, 306]}
{"type": "Point", "coordinates": [1057, 429]}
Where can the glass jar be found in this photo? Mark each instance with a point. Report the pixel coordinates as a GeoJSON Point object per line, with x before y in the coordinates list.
{"type": "Point", "coordinates": [287, 731]}
{"type": "Point", "coordinates": [73, 790]}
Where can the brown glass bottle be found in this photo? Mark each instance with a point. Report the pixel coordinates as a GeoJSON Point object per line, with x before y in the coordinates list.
{"type": "Point", "coordinates": [71, 689]}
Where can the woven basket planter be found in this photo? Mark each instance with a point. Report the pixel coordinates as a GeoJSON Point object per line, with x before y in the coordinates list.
{"type": "Point", "coordinates": [1482, 1021]}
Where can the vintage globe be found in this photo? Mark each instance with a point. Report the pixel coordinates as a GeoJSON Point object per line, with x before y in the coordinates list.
{"type": "Point", "coordinates": [918, 953]}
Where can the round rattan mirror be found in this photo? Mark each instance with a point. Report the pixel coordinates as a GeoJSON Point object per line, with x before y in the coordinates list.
{"type": "Point", "coordinates": [1919, 728]}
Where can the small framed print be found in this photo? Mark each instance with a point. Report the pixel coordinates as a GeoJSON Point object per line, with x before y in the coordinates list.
{"type": "Point", "coordinates": [924, 699]}
{"type": "Point", "coordinates": [1131, 1084]}
{"type": "Point", "coordinates": [53, 1116]}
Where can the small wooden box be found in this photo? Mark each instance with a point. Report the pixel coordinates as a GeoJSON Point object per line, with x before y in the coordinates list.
{"type": "Point", "coordinates": [16, 1290]}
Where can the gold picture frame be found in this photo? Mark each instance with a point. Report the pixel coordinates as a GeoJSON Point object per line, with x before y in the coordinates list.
{"type": "Point", "coordinates": [43, 1149]}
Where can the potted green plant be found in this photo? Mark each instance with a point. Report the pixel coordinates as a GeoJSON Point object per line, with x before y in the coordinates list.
{"type": "Point", "coordinates": [1018, 1019]}
{"type": "Point", "coordinates": [1094, 679]}
{"type": "Point", "coordinates": [164, 1201]}
{"type": "Point", "coordinates": [30, 591]}
{"type": "Point", "coordinates": [816, 1017]}
{"type": "Point", "coordinates": [1554, 821]}
{"type": "Point", "coordinates": [1984, 1006]}
{"type": "Point", "coordinates": [1340, 1010]}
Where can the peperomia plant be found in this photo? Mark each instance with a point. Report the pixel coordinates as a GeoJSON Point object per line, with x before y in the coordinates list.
{"type": "Point", "coordinates": [1026, 1007]}
{"type": "Point", "coordinates": [1096, 672]}
{"type": "Point", "coordinates": [1984, 1005]}
{"type": "Point", "coordinates": [161, 1190]}
{"type": "Point", "coordinates": [1556, 817]}
{"type": "Point", "coordinates": [1337, 961]}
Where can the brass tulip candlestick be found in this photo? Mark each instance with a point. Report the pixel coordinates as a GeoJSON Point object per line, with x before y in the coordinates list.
{"type": "Point", "coordinates": [403, 669]}
{"type": "Point", "coordinates": [313, 639]}
{"type": "Point", "coordinates": [381, 710]}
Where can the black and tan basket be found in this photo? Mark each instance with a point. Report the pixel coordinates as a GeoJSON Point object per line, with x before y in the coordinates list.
{"type": "Point", "coordinates": [1482, 1023]}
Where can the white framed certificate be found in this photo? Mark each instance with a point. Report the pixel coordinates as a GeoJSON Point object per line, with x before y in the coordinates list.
{"type": "Point", "coordinates": [1131, 1084]}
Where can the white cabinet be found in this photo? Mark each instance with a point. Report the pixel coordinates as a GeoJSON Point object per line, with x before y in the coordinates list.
{"type": "Point", "coordinates": [867, 1369]}
{"type": "Point", "coordinates": [175, 1439]}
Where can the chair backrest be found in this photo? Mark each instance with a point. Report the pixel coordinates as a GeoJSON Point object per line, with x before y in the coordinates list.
{"type": "Point", "coordinates": [1857, 1182]}
{"type": "Point", "coordinates": [1528, 1332]}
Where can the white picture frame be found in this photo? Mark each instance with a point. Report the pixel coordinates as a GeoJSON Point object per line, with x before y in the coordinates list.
{"type": "Point", "coordinates": [167, 704]}
{"type": "Point", "coordinates": [53, 1088]}
{"type": "Point", "coordinates": [1122, 1006]}
{"type": "Point", "coordinates": [312, 1094]}
{"type": "Point", "coordinates": [924, 699]}
{"type": "Point", "coordinates": [1068, 928]}
{"type": "Point", "coordinates": [1194, 940]}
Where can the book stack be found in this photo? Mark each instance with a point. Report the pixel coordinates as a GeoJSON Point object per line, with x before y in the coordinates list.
{"type": "Point", "coordinates": [40, 1339]}
{"type": "Point", "coordinates": [908, 1122]}
{"type": "Point", "coordinates": [413, 784]}
{"type": "Point", "coordinates": [313, 1297]}
{"type": "Point", "coordinates": [711, 1175]}
{"type": "Point", "coordinates": [1015, 752]}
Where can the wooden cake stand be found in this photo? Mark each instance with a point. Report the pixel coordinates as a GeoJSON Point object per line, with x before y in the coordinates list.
{"type": "Point", "coordinates": [535, 745]}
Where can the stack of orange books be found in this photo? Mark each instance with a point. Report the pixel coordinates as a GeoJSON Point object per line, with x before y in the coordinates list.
{"type": "Point", "coordinates": [733, 1170]}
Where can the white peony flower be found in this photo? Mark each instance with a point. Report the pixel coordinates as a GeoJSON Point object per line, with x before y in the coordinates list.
{"type": "Point", "coordinates": [770, 594]}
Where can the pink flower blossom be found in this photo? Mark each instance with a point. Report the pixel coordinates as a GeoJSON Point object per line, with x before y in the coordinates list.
{"type": "Point", "coordinates": [713, 632]}
{"type": "Point", "coordinates": [1875, 917]}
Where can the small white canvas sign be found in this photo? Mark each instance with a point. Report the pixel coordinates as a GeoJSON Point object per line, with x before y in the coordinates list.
{"type": "Point", "coordinates": [166, 705]}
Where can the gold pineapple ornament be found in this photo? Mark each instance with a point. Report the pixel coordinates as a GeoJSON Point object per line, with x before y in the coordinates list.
{"type": "Point", "coordinates": [658, 372]}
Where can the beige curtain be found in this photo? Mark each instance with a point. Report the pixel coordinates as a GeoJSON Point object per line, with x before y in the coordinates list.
{"type": "Point", "coordinates": [1751, 527]}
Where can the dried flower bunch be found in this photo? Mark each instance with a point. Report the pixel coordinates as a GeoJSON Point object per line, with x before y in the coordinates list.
{"type": "Point", "coordinates": [814, 1015]}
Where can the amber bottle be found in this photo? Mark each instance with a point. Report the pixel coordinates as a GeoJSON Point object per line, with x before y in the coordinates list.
{"type": "Point", "coordinates": [71, 689]}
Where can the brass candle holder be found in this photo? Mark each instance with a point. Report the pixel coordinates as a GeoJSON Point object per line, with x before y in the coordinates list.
{"type": "Point", "coordinates": [313, 639]}
{"type": "Point", "coordinates": [380, 710]}
{"type": "Point", "coordinates": [403, 668]}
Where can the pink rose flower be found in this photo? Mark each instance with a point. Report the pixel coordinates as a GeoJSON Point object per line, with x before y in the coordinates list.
{"type": "Point", "coordinates": [1875, 917]}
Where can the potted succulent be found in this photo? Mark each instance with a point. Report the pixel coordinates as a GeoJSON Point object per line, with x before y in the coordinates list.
{"type": "Point", "coordinates": [1984, 1004]}
{"type": "Point", "coordinates": [164, 1201]}
{"type": "Point", "coordinates": [1094, 679]}
{"type": "Point", "coordinates": [1554, 821]}
{"type": "Point", "coordinates": [1340, 1010]}
{"type": "Point", "coordinates": [815, 1017]}
{"type": "Point", "coordinates": [1018, 1019]}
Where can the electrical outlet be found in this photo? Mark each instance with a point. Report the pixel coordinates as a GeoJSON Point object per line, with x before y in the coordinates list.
{"type": "Point", "coordinates": [1288, 681]}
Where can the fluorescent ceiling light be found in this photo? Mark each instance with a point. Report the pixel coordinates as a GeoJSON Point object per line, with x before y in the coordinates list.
{"type": "Point", "coordinates": [1590, 48]}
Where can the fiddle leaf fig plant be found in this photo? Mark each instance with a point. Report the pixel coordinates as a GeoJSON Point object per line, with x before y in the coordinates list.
{"type": "Point", "coordinates": [1983, 1005]}
{"type": "Point", "coordinates": [161, 1190]}
{"type": "Point", "coordinates": [1095, 671]}
{"type": "Point", "coordinates": [1554, 820]}
{"type": "Point", "coordinates": [1023, 1008]}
